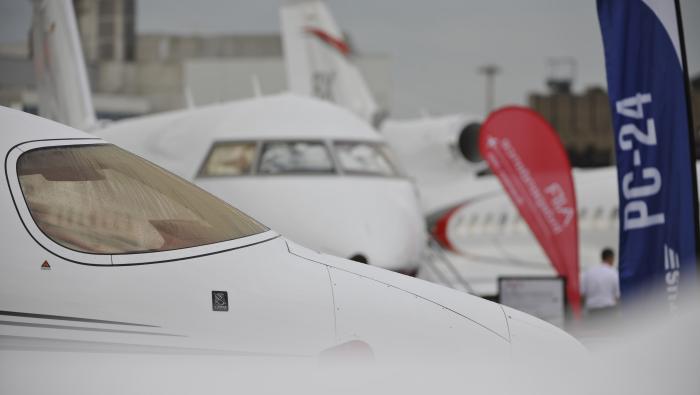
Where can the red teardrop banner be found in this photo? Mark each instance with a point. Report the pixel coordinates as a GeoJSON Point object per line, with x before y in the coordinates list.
{"type": "Point", "coordinates": [526, 155]}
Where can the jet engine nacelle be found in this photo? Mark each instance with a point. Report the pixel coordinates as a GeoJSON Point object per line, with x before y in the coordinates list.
{"type": "Point", "coordinates": [468, 142]}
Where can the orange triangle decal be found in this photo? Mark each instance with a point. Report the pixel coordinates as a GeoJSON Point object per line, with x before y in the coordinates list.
{"type": "Point", "coordinates": [45, 265]}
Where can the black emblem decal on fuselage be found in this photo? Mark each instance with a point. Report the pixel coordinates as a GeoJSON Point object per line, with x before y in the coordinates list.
{"type": "Point", "coordinates": [219, 300]}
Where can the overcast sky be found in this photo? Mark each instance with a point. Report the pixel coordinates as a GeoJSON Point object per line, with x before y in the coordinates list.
{"type": "Point", "coordinates": [436, 46]}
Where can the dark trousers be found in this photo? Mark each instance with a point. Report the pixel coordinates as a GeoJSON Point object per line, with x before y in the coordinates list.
{"type": "Point", "coordinates": [603, 314]}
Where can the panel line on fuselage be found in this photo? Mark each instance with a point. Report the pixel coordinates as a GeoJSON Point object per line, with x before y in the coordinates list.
{"type": "Point", "coordinates": [67, 318]}
{"type": "Point", "coordinates": [408, 292]}
{"type": "Point", "coordinates": [82, 328]}
{"type": "Point", "coordinates": [8, 342]}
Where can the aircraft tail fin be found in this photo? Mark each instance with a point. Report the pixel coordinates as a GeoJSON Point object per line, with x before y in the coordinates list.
{"type": "Point", "coordinates": [61, 76]}
{"type": "Point", "coordinates": [317, 58]}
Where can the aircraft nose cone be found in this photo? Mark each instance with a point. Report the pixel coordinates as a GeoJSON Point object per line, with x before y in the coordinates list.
{"type": "Point", "coordinates": [396, 239]}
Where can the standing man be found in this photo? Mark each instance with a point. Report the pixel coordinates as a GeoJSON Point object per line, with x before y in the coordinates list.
{"type": "Point", "coordinates": [600, 287]}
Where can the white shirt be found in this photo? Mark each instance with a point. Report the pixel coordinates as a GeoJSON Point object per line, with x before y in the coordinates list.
{"type": "Point", "coordinates": [601, 286]}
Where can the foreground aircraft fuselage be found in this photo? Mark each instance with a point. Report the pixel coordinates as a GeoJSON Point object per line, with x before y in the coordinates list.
{"type": "Point", "coordinates": [104, 252]}
{"type": "Point", "coordinates": [271, 154]}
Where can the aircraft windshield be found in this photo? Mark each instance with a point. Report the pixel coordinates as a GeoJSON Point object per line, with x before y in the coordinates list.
{"type": "Point", "coordinates": [364, 158]}
{"type": "Point", "coordinates": [102, 199]}
{"type": "Point", "coordinates": [282, 157]}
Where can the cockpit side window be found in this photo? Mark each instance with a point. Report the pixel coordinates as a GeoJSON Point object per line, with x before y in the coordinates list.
{"type": "Point", "coordinates": [295, 157]}
{"type": "Point", "coordinates": [101, 199]}
{"type": "Point", "coordinates": [229, 159]}
{"type": "Point", "coordinates": [365, 158]}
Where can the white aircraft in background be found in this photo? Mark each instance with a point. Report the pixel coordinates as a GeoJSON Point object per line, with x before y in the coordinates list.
{"type": "Point", "coordinates": [300, 165]}
{"type": "Point", "coordinates": [489, 238]}
{"type": "Point", "coordinates": [104, 252]}
{"type": "Point", "coordinates": [485, 235]}
{"type": "Point", "coordinates": [315, 172]}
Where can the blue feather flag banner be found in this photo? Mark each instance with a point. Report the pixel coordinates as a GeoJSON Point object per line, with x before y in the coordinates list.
{"type": "Point", "coordinates": [647, 85]}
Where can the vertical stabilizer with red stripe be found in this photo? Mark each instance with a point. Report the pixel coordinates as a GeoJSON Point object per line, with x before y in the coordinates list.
{"type": "Point", "coordinates": [319, 60]}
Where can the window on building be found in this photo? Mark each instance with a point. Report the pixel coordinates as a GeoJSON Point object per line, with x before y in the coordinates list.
{"type": "Point", "coordinates": [105, 29]}
{"type": "Point", "coordinates": [129, 30]}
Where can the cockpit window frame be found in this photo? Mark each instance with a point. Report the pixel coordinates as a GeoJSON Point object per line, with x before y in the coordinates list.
{"type": "Point", "coordinates": [329, 145]}
{"type": "Point", "coordinates": [96, 258]}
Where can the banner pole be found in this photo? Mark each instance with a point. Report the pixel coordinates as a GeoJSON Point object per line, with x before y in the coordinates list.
{"type": "Point", "coordinates": [691, 133]}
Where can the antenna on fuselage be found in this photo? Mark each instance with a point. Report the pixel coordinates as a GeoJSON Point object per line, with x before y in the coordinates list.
{"type": "Point", "coordinates": [189, 99]}
{"type": "Point", "coordinates": [255, 83]}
